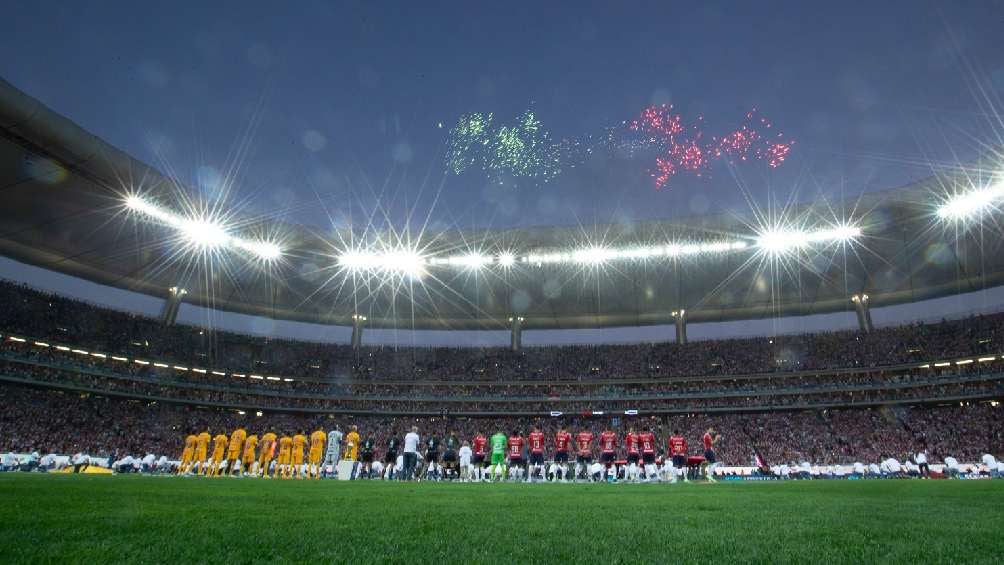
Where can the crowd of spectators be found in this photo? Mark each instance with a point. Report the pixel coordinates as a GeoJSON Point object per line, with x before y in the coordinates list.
{"type": "Point", "coordinates": [916, 386]}
{"type": "Point", "coordinates": [45, 316]}
{"type": "Point", "coordinates": [776, 394]}
{"type": "Point", "coordinates": [777, 384]}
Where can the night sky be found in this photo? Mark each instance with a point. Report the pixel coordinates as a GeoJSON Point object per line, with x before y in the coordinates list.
{"type": "Point", "coordinates": [346, 106]}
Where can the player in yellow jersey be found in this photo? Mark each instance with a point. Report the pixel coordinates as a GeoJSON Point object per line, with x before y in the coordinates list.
{"type": "Point", "coordinates": [352, 444]}
{"type": "Point", "coordinates": [266, 453]}
{"type": "Point", "coordinates": [248, 460]}
{"type": "Point", "coordinates": [282, 462]}
{"type": "Point", "coordinates": [187, 454]}
{"type": "Point", "coordinates": [234, 450]}
{"type": "Point", "coordinates": [201, 451]}
{"type": "Point", "coordinates": [219, 452]}
{"type": "Point", "coordinates": [296, 456]}
{"type": "Point", "coordinates": [318, 441]}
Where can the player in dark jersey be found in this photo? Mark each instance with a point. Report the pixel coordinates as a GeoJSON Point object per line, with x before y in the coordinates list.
{"type": "Point", "coordinates": [432, 457]}
{"type": "Point", "coordinates": [536, 441]}
{"type": "Point", "coordinates": [450, 468]}
{"type": "Point", "coordinates": [367, 458]}
{"type": "Point", "coordinates": [390, 458]}
{"type": "Point", "coordinates": [633, 449]}
{"type": "Point", "coordinates": [480, 460]}
{"type": "Point", "coordinates": [678, 453]}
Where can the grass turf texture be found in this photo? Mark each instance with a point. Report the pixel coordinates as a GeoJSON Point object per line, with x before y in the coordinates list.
{"type": "Point", "coordinates": [100, 519]}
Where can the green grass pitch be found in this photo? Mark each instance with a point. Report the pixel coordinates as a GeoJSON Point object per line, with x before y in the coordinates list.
{"type": "Point", "coordinates": [102, 519]}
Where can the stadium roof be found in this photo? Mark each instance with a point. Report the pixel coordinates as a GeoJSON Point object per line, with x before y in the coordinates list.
{"type": "Point", "coordinates": [63, 209]}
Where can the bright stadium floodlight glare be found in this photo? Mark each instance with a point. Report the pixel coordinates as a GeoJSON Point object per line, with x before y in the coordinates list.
{"type": "Point", "coordinates": [593, 256]}
{"type": "Point", "coordinates": [405, 262]}
{"type": "Point", "coordinates": [264, 250]}
{"type": "Point", "coordinates": [601, 255]}
{"type": "Point", "coordinates": [201, 232]}
{"type": "Point", "coordinates": [473, 261]}
{"type": "Point", "coordinates": [780, 241]}
{"type": "Point", "coordinates": [968, 205]}
{"type": "Point", "coordinates": [506, 259]}
{"type": "Point", "coordinates": [204, 234]}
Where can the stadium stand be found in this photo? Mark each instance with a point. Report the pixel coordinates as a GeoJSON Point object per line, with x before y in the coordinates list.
{"type": "Point", "coordinates": [79, 378]}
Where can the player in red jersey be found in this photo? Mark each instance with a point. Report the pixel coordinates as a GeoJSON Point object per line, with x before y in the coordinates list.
{"type": "Point", "coordinates": [515, 454]}
{"type": "Point", "coordinates": [480, 459]}
{"type": "Point", "coordinates": [536, 438]}
{"type": "Point", "coordinates": [678, 453]}
{"type": "Point", "coordinates": [584, 452]}
{"type": "Point", "coordinates": [608, 448]}
{"type": "Point", "coordinates": [646, 439]}
{"type": "Point", "coordinates": [710, 438]}
{"type": "Point", "coordinates": [562, 445]}
{"type": "Point", "coordinates": [633, 448]}
{"type": "Point", "coordinates": [608, 452]}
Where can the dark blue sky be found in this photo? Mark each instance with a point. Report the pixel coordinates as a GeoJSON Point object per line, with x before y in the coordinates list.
{"type": "Point", "coordinates": [341, 101]}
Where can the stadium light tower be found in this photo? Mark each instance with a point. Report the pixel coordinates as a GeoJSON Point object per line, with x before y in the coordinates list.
{"type": "Point", "coordinates": [516, 332]}
{"type": "Point", "coordinates": [864, 312]}
{"type": "Point", "coordinates": [169, 312]}
{"type": "Point", "coordinates": [680, 319]}
{"type": "Point", "coordinates": [358, 320]}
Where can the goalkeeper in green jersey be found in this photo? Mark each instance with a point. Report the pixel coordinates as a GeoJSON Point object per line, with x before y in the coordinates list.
{"type": "Point", "coordinates": [499, 441]}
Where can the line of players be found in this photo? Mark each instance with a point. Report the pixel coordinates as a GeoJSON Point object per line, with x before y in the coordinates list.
{"type": "Point", "coordinates": [495, 458]}
{"type": "Point", "coordinates": [514, 457]}
{"type": "Point", "coordinates": [270, 456]}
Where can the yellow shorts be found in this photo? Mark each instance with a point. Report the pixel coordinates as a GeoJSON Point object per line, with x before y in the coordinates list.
{"type": "Point", "coordinates": [314, 457]}
{"type": "Point", "coordinates": [248, 459]}
{"type": "Point", "coordinates": [218, 456]}
{"type": "Point", "coordinates": [200, 454]}
{"type": "Point", "coordinates": [186, 456]}
{"type": "Point", "coordinates": [283, 459]}
{"type": "Point", "coordinates": [297, 458]}
{"type": "Point", "coordinates": [233, 455]}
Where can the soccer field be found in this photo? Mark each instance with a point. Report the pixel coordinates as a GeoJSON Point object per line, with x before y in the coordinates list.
{"type": "Point", "coordinates": [101, 519]}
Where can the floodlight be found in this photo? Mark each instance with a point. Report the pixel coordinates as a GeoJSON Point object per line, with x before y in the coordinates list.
{"type": "Point", "coordinates": [506, 259]}
{"type": "Point", "coordinates": [968, 205]}
{"type": "Point", "coordinates": [204, 234]}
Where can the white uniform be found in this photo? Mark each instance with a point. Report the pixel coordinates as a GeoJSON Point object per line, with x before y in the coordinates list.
{"type": "Point", "coordinates": [465, 455]}
{"type": "Point", "coordinates": [411, 442]}
{"type": "Point", "coordinates": [334, 448]}
{"type": "Point", "coordinates": [951, 465]}
{"type": "Point", "coordinates": [859, 469]}
{"type": "Point", "coordinates": [990, 461]}
{"type": "Point", "coordinates": [892, 465]}
{"type": "Point", "coordinates": [874, 469]}
{"type": "Point", "coordinates": [595, 470]}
